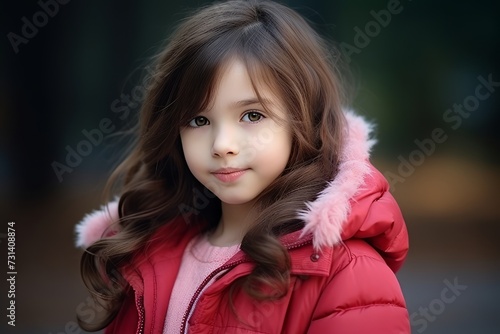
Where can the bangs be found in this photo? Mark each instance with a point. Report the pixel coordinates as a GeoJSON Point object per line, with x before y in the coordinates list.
{"type": "Point", "coordinates": [204, 69]}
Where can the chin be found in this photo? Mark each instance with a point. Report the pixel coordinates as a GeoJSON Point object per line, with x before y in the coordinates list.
{"type": "Point", "coordinates": [235, 201]}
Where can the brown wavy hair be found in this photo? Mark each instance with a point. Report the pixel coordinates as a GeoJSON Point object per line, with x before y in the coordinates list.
{"type": "Point", "coordinates": [280, 49]}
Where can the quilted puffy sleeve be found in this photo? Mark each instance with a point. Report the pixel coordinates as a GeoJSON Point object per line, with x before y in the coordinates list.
{"type": "Point", "coordinates": [363, 297]}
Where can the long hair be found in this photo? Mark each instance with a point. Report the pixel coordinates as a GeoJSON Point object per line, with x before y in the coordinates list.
{"type": "Point", "coordinates": [280, 49]}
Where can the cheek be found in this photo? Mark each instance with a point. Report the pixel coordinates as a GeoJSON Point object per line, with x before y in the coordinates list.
{"type": "Point", "coordinates": [277, 149]}
{"type": "Point", "coordinates": [282, 144]}
{"type": "Point", "coordinates": [272, 136]}
{"type": "Point", "coordinates": [191, 148]}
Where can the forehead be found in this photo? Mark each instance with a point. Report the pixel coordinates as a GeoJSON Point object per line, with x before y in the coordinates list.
{"type": "Point", "coordinates": [238, 86]}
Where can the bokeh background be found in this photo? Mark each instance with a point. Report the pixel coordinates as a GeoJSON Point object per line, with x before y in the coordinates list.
{"type": "Point", "coordinates": [84, 60]}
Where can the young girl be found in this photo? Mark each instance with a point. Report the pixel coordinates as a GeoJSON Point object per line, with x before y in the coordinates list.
{"type": "Point", "coordinates": [248, 203]}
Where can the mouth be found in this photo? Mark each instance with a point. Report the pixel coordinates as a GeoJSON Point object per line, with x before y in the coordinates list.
{"type": "Point", "coordinates": [229, 174]}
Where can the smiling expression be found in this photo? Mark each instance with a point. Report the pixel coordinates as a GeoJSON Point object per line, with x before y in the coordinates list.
{"type": "Point", "coordinates": [235, 148]}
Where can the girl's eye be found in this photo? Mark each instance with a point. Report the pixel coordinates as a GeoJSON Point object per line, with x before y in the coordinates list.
{"type": "Point", "coordinates": [198, 121]}
{"type": "Point", "coordinates": [252, 117]}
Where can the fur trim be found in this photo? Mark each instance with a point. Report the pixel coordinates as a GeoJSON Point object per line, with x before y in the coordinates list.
{"type": "Point", "coordinates": [95, 224]}
{"type": "Point", "coordinates": [326, 215]}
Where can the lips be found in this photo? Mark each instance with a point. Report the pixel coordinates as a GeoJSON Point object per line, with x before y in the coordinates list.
{"type": "Point", "coordinates": [229, 174]}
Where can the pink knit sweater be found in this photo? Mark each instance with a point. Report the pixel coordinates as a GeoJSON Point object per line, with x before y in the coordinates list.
{"type": "Point", "coordinates": [199, 260]}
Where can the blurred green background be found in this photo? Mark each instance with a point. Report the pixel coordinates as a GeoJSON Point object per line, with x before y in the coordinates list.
{"type": "Point", "coordinates": [83, 61]}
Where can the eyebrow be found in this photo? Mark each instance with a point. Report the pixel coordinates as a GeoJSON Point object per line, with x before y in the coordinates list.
{"type": "Point", "coordinates": [246, 102]}
{"type": "Point", "coordinates": [250, 101]}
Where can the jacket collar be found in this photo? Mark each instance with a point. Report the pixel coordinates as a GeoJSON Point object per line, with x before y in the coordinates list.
{"type": "Point", "coordinates": [326, 216]}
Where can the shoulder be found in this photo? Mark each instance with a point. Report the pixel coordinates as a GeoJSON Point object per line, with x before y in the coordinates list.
{"type": "Point", "coordinates": [363, 280]}
{"type": "Point", "coordinates": [360, 258]}
{"type": "Point", "coordinates": [361, 295]}
{"type": "Point", "coordinates": [104, 222]}
{"type": "Point", "coordinates": [349, 275]}
{"type": "Point", "coordinates": [353, 257]}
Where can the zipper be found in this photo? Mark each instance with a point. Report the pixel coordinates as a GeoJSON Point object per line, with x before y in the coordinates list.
{"type": "Point", "coordinates": [298, 244]}
{"type": "Point", "coordinates": [202, 285]}
{"type": "Point", "coordinates": [139, 303]}
{"type": "Point", "coordinates": [218, 270]}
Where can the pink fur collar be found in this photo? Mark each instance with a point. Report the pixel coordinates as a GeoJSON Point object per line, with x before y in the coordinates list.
{"type": "Point", "coordinates": [95, 224]}
{"type": "Point", "coordinates": [324, 217]}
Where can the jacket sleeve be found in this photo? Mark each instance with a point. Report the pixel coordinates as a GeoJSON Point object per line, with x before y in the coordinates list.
{"type": "Point", "coordinates": [363, 297]}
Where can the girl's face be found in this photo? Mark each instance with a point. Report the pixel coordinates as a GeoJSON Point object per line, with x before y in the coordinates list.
{"type": "Point", "coordinates": [234, 148]}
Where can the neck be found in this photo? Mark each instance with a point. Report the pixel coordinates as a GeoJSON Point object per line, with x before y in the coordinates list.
{"type": "Point", "coordinates": [235, 221]}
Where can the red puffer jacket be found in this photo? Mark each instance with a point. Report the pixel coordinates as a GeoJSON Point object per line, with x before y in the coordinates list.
{"type": "Point", "coordinates": [342, 275]}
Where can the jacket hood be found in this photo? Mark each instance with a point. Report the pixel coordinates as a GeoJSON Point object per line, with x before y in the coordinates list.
{"type": "Point", "coordinates": [355, 204]}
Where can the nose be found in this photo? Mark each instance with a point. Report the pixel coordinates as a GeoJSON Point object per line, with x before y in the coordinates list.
{"type": "Point", "coordinates": [225, 142]}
